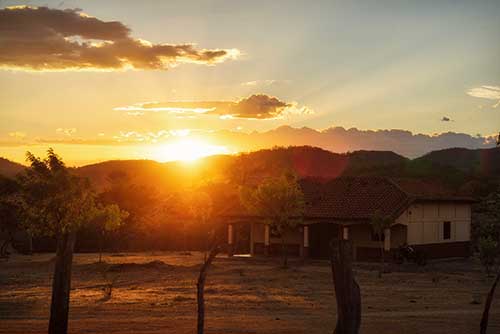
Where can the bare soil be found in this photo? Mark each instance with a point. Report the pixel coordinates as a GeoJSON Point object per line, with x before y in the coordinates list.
{"type": "Point", "coordinates": [155, 293]}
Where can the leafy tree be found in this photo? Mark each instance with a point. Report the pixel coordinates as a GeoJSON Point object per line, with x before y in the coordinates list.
{"type": "Point", "coordinates": [379, 224]}
{"type": "Point", "coordinates": [280, 202]}
{"type": "Point", "coordinates": [108, 218]}
{"type": "Point", "coordinates": [488, 252]}
{"type": "Point", "coordinates": [10, 213]}
{"type": "Point", "coordinates": [139, 201]}
{"type": "Point", "coordinates": [56, 203]}
{"type": "Point", "coordinates": [201, 209]}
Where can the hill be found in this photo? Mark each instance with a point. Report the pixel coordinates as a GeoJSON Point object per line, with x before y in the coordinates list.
{"type": "Point", "coordinates": [479, 161]}
{"type": "Point", "coordinates": [10, 169]}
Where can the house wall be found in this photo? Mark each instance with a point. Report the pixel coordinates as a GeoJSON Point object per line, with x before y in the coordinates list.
{"type": "Point", "coordinates": [424, 222]}
{"type": "Point", "coordinates": [293, 239]}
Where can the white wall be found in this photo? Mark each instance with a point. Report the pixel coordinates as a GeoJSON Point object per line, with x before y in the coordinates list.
{"type": "Point", "coordinates": [425, 222]}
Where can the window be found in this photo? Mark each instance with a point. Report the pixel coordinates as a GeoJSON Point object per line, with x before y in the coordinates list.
{"type": "Point", "coordinates": [446, 230]}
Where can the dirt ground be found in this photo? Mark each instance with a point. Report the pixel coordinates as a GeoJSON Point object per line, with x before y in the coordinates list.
{"type": "Point", "coordinates": [155, 293]}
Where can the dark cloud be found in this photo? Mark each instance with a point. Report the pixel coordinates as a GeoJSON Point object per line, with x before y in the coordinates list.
{"type": "Point", "coordinates": [41, 38]}
{"type": "Point", "coordinates": [257, 106]}
{"type": "Point", "coordinates": [445, 119]}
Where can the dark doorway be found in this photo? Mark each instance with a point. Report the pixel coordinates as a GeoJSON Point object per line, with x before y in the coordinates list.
{"type": "Point", "coordinates": [320, 236]}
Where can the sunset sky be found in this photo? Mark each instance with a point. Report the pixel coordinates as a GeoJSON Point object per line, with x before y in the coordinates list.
{"type": "Point", "coordinates": [169, 80]}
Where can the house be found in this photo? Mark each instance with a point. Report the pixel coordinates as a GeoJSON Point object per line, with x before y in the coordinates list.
{"type": "Point", "coordinates": [423, 215]}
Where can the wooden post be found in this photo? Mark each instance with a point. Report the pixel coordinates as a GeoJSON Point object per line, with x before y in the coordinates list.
{"type": "Point", "coordinates": [61, 284]}
{"type": "Point", "coordinates": [200, 287]}
{"type": "Point", "coordinates": [266, 240]}
{"type": "Point", "coordinates": [347, 291]}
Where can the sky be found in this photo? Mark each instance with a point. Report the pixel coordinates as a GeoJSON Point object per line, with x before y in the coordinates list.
{"type": "Point", "coordinates": [167, 80]}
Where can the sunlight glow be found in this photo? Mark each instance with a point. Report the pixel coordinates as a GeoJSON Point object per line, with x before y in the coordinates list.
{"type": "Point", "coordinates": [187, 150]}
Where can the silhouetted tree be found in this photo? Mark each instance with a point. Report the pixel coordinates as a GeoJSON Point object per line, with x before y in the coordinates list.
{"type": "Point", "coordinates": [56, 202]}
{"type": "Point", "coordinates": [201, 209]}
{"type": "Point", "coordinates": [379, 224]}
{"type": "Point", "coordinates": [107, 218]}
{"type": "Point", "coordinates": [280, 202]}
{"type": "Point", "coordinates": [10, 213]}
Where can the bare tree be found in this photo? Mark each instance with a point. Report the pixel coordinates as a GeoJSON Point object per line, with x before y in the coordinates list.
{"type": "Point", "coordinates": [200, 286]}
{"type": "Point", "coordinates": [487, 305]}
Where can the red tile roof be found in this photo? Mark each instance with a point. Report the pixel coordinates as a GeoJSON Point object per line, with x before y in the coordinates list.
{"type": "Point", "coordinates": [353, 198]}
{"type": "Point", "coordinates": [360, 198]}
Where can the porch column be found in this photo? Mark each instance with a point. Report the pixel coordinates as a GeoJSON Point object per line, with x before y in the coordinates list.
{"type": "Point", "coordinates": [266, 239]}
{"type": "Point", "coordinates": [387, 239]}
{"type": "Point", "coordinates": [345, 233]}
{"type": "Point", "coordinates": [305, 248]}
{"type": "Point", "coordinates": [252, 251]}
{"type": "Point", "coordinates": [230, 241]}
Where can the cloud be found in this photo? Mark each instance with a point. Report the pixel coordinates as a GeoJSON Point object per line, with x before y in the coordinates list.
{"type": "Point", "coordinates": [41, 38]}
{"type": "Point", "coordinates": [265, 83]}
{"type": "Point", "coordinates": [335, 139]}
{"type": "Point", "coordinates": [257, 106]}
{"type": "Point", "coordinates": [17, 134]}
{"type": "Point", "coordinates": [486, 92]}
{"type": "Point", "coordinates": [66, 131]}
{"type": "Point", "coordinates": [446, 119]}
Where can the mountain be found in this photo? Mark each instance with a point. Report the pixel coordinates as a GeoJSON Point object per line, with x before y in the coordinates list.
{"type": "Point", "coordinates": [458, 168]}
{"type": "Point", "coordinates": [10, 169]}
{"type": "Point", "coordinates": [480, 161]}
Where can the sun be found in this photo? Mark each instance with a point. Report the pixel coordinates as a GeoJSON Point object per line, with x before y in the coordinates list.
{"type": "Point", "coordinates": [188, 150]}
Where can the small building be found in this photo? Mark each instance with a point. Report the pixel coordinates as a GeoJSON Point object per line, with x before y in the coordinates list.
{"type": "Point", "coordinates": [423, 216]}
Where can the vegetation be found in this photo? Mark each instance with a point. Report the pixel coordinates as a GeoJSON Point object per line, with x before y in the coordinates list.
{"type": "Point", "coordinates": [107, 218]}
{"type": "Point", "coordinates": [10, 212]}
{"type": "Point", "coordinates": [56, 203]}
{"type": "Point", "coordinates": [280, 203]}
{"type": "Point", "coordinates": [488, 252]}
{"type": "Point", "coordinates": [381, 223]}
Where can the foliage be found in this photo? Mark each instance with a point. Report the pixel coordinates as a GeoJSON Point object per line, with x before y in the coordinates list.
{"type": "Point", "coordinates": [55, 201]}
{"type": "Point", "coordinates": [488, 252]}
{"type": "Point", "coordinates": [279, 202]}
{"type": "Point", "coordinates": [109, 217]}
{"type": "Point", "coordinates": [379, 224]}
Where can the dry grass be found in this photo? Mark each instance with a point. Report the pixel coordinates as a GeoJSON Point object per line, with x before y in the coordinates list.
{"type": "Point", "coordinates": [155, 293]}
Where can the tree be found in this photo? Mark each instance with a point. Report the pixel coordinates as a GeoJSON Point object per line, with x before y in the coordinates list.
{"type": "Point", "coordinates": [379, 224]}
{"type": "Point", "coordinates": [56, 202]}
{"type": "Point", "coordinates": [108, 218]}
{"type": "Point", "coordinates": [200, 287]}
{"type": "Point", "coordinates": [488, 252]}
{"type": "Point", "coordinates": [201, 209]}
{"type": "Point", "coordinates": [10, 214]}
{"type": "Point", "coordinates": [280, 202]}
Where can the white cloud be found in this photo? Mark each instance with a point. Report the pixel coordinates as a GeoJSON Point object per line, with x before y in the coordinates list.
{"type": "Point", "coordinates": [66, 131]}
{"type": "Point", "coordinates": [17, 134]}
{"type": "Point", "coordinates": [486, 92]}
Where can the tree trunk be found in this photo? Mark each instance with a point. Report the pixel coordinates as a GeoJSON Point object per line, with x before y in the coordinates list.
{"type": "Point", "coordinates": [347, 291]}
{"type": "Point", "coordinates": [382, 259]}
{"type": "Point", "coordinates": [61, 284]}
{"type": "Point", "coordinates": [201, 288]}
{"type": "Point", "coordinates": [284, 252]}
{"type": "Point", "coordinates": [101, 236]}
{"type": "Point", "coordinates": [30, 243]}
{"type": "Point", "coordinates": [487, 305]}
